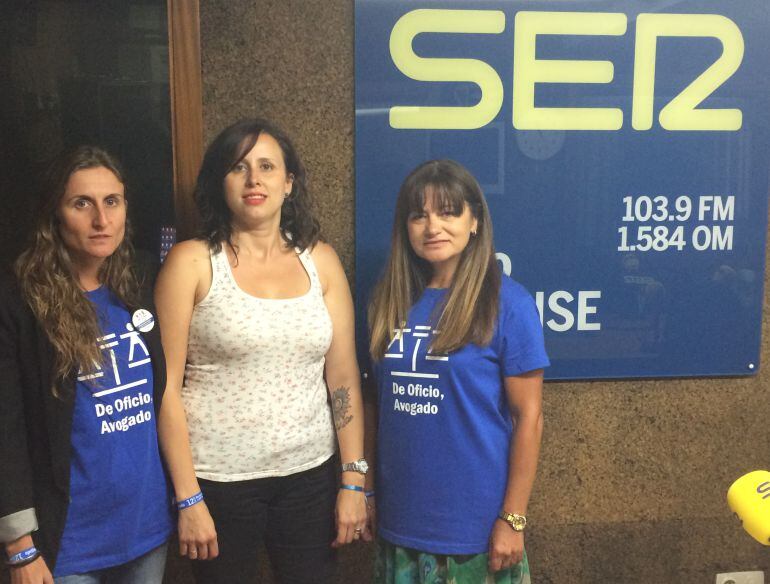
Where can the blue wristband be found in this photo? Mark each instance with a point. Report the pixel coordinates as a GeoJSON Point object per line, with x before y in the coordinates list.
{"type": "Point", "coordinates": [368, 494]}
{"type": "Point", "coordinates": [23, 556]}
{"type": "Point", "coordinates": [190, 501]}
{"type": "Point", "coordinates": [352, 488]}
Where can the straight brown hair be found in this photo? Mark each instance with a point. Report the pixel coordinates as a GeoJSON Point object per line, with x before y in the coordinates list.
{"type": "Point", "coordinates": [469, 313]}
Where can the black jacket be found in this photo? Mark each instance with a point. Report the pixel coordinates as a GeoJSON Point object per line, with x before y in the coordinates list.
{"type": "Point", "coordinates": [35, 426]}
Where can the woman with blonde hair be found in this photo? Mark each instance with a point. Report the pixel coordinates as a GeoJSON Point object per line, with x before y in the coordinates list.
{"type": "Point", "coordinates": [85, 498]}
{"type": "Point", "coordinates": [458, 359]}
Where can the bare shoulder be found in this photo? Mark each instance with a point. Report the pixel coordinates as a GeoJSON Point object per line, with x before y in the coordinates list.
{"type": "Point", "coordinates": [186, 270]}
{"type": "Point", "coordinates": [188, 256]}
{"type": "Point", "coordinates": [328, 264]}
{"type": "Point", "coordinates": [324, 253]}
{"type": "Point", "coordinates": [191, 250]}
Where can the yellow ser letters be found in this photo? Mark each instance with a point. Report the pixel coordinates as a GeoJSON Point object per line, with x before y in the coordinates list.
{"type": "Point", "coordinates": [527, 71]}
{"type": "Point", "coordinates": [680, 113]}
{"type": "Point", "coordinates": [422, 69]}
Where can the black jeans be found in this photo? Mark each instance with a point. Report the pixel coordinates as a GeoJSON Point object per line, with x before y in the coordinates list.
{"type": "Point", "coordinates": [294, 515]}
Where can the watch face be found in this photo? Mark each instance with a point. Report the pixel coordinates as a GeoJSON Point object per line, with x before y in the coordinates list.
{"type": "Point", "coordinates": [363, 466]}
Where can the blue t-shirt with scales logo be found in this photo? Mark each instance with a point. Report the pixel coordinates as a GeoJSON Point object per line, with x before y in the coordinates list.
{"type": "Point", "coordinates": [120, 506]}
{"type": "Point", "coordinates": [445, 426]}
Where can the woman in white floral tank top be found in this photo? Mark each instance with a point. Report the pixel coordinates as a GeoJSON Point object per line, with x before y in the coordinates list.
{"type": "Point", "coordinates": [257, 323]}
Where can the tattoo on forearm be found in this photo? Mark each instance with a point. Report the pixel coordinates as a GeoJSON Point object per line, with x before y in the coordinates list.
{"type": "Point", "coordinates": [341, 407]}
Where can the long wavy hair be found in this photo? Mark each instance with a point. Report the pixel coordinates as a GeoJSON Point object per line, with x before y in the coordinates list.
{"type": "Point", "coordinates": [469, 312]}
{"type": "Point", "coordinates": [299, 226]}
{"type": "Point", "coordinates": [47, 278]}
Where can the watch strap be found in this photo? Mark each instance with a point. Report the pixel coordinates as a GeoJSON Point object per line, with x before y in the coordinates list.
{"type": "Point", "coordinates": [517, 522]}
{"type": "Point", "coordinates": [360, 466]}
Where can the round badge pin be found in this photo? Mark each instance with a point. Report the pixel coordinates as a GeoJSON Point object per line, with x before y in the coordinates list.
{"type": "Point", "coordinates": [143, 320]}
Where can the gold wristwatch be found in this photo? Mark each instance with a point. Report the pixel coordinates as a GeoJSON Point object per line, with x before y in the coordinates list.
{"type": "Point", "coordinates": [517, 522]}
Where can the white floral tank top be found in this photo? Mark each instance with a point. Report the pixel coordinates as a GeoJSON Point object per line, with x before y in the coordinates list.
{"type": "Point", "coordinates": [254, 389]}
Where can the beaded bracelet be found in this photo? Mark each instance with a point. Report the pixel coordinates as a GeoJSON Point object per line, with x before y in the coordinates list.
{"type": "Point", "coordinates": [190, 501]}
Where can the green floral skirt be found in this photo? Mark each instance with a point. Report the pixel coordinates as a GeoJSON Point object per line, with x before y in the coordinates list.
{"type": "Point", "coordinates": [398, 565]}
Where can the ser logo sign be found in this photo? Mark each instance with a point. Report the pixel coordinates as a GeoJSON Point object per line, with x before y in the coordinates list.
{"type": "Point", "coordinates": [681, 113]}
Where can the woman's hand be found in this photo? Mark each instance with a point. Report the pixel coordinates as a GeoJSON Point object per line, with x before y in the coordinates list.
{"type": "Point", "coordinates": [371, 519]}
{"type": "Point", "coordinates": [351, 516]}
{"type": "Point", "coordinates": [35, 573]}
{"type": "Point", "coordinates": [506, 547]}
{"type": "Point", "coordinates": [197, 536]}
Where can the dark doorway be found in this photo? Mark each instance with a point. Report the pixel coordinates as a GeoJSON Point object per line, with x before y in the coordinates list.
{"type": "Point", "coordinates": [85, 71]}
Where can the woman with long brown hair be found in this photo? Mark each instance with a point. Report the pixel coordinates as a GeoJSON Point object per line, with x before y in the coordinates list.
{"type": "Point", "coordinates": [458, 358]}
{"type": "Point", "coordinates": [85, 498]}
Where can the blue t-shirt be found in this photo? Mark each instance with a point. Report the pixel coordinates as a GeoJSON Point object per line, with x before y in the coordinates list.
{"type": "Point", "coordinates": [120, 505]}
{"type": "Point", "coordinates": [445, 427]}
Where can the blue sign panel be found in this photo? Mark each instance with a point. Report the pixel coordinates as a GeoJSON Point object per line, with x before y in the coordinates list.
{"type": "Point", "coordinates": [623, 147]}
